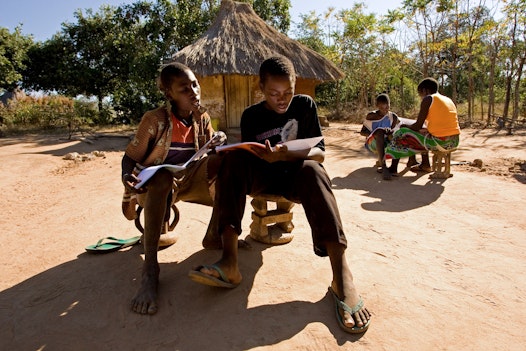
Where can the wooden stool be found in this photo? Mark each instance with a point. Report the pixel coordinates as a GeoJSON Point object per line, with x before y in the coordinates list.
{"type": "Point", "coordinates": [166, 239]}
{"type": "Point", "coordinates": [262, 217]}
{"type": "Point", "coordinates": [441, 164]}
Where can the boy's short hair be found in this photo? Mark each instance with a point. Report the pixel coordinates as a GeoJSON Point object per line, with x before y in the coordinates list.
{"type": "Point", "coordinates": [383, 98]}
{"type": "Point", "coordinates": [170, 71]}
{"type": "Point", "coordinates": [277, 66]}
{"type": "Point", "coordinates": [430, 84]}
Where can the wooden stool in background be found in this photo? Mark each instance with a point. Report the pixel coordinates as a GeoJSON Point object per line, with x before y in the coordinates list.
{"type": "Point", "coordinates": [441, 164]}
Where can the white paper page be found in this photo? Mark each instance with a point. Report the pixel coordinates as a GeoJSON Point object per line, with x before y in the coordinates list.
{"type": "Point", "coordinates": [148, 172]}
{"type": "Point", "coordinates": [199, 153]}
{"type": "Point", "coordinates": [302, 144]}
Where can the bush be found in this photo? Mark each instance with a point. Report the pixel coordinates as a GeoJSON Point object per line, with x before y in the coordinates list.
{"type": "Point", "coordinates": [46, 113]}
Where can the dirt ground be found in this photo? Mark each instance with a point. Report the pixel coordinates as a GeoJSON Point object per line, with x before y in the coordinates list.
{"type": "Point", "coordinates": [440, 263]}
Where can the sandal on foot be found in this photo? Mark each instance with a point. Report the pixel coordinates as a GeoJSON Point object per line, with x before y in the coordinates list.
{"type": "Point", "coordinates": [421, 169]}
{"type": "Point", "coordinates": [202, 278]}
{"type": "Point", "coordinates": [340, 304]}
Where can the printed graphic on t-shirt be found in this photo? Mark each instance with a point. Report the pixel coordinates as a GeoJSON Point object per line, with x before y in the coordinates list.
{"type": "Point", "coordinates": [289, 130]}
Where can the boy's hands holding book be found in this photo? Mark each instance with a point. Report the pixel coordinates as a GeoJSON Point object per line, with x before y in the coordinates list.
{"type": "Point", "coordinates": [272, 154]}
{"type": "Point", "coordinates": [288, 151]}
{"type": "Point", "coordinates": [218, 138]}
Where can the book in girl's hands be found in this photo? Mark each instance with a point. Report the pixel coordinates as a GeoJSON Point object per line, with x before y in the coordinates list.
{"type": "Point", "coordinates": [292, 145]}
{"type": "Point", "coordinates": [148, 172]}
{"type": "Point", "coordinates": [372, 125]}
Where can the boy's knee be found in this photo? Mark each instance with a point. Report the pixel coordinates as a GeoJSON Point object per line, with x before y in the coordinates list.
{"type": "Point", "coordinates": [313, 170]}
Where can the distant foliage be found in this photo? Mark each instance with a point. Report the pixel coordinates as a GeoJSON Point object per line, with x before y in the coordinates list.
{"type": "Point", "coordinates": [47, 113]}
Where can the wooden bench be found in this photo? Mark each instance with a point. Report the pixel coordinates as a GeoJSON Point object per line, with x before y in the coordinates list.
{"type": "Point", "coordinates": [262, 217]}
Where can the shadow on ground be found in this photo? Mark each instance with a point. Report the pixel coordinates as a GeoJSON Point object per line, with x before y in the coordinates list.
{"type": "Point", "coordinates": [392, 195]}
{"type": "Point", "coordinates": [86, 303]}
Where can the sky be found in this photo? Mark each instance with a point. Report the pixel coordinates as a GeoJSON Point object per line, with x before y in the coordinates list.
{"type": "Point", "coordinates": [43, 18]}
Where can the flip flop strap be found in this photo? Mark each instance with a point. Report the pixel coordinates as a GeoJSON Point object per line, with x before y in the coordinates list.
{"type": "Point", "coordinates": [106, 238]}
{"type": "Point", "coordinates": [117, 241]}
{"type": "Point", "coordinates": [353, 310]}
{"type": "Point", "coordinates": [220, 271]}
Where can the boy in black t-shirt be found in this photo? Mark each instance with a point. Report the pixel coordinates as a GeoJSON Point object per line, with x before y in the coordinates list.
{"type": "Point", "coordinates": [297, 175]}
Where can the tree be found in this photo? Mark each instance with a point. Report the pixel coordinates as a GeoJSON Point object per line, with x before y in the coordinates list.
{"type": "Point", "coordinates": [515, 11]}
{"type": "Point", "coordinates": [13, 53]}
{"type": "Point", "coordinates": [359, 48]}
{"type": "Point", "coordinates": [274, 12]}
{"type": "Point", "coordinates": [429, 20]}
{"type": "Point", "coordinates": [116, 52]}
{"type": "Point", "coordinates": [494, 39]}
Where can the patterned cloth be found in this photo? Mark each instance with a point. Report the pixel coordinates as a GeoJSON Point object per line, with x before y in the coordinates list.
{"type": "Point", "coordinates": [407, 142]}
{"type": "Point", "coordinates": [389, 123]}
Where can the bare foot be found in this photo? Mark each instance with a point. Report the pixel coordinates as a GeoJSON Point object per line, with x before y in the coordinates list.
{"type": "Point", "coordinates": [360, 317]}
{"type": "Point", "coordinates": [145, 301]}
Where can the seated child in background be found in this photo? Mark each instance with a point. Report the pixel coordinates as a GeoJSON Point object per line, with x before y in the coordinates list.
{"type": "Point", "coordinates": [381, 124]}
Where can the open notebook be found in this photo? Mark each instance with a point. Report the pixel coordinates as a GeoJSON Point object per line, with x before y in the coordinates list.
{"type": "Point", "coordinates": [292, 145]}
{"type": "Point", "coordinates": [148, 172]}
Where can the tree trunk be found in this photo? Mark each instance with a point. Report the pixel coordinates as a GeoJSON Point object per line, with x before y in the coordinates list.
{"type": "Point", "coordinates": [491, 83]}
{"type": "Point", "coordinates": [511, 70]}
{"type": "Point", "coordinates": [516, 95]}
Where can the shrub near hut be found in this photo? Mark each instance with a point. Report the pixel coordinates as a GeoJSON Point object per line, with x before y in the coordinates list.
{"type": "Point", "coordinates": [45, 113]}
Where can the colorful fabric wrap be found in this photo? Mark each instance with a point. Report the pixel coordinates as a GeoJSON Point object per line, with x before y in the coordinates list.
{"type": "Point", "coordinates": [407, 142]}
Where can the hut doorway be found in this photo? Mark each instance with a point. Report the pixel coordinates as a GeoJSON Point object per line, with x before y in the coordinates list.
{"type": "Point", "coordinates": [237, 93]}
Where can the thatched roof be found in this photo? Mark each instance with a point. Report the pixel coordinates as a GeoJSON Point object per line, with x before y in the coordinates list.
{"type": "Point", "coordinates": [239, 40]}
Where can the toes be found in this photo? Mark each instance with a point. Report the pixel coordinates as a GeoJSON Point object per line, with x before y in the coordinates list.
{"type": "Point", "coordinates": [359, 319]}
{"type": "Point", "coordinates": [137, 307]}
{"type": "Point", "coordinates": [152, 309]}
{"type": "Point", "coordinates": [144, 307]}
{"type": "Point", "coordinates": [348, 319]}
{"type": "Point", "coordinates": [208, 270]}
{"type": "Point", "coordinates": [360, 322]}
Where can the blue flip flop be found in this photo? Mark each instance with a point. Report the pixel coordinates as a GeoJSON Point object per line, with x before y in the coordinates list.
{"type": "Point", "coordinates": [110, 244]}
{"type": "Point", "coordinates": [340, 304]}
{"type": "Point", "coordinates": [199, 277]}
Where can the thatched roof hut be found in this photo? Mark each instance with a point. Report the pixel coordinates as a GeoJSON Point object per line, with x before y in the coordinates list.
{"type": "Point", "coordinates": [226, 60]}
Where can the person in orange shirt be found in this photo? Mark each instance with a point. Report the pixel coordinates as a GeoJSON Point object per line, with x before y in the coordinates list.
{"type": "Point", "coordinates": [442, 132]}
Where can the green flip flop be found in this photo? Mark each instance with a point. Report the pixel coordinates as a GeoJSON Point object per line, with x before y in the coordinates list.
{"type": "Point", "coordinates": [110, 244]}
{"type": "Point", "coordinates": [352, 310]}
